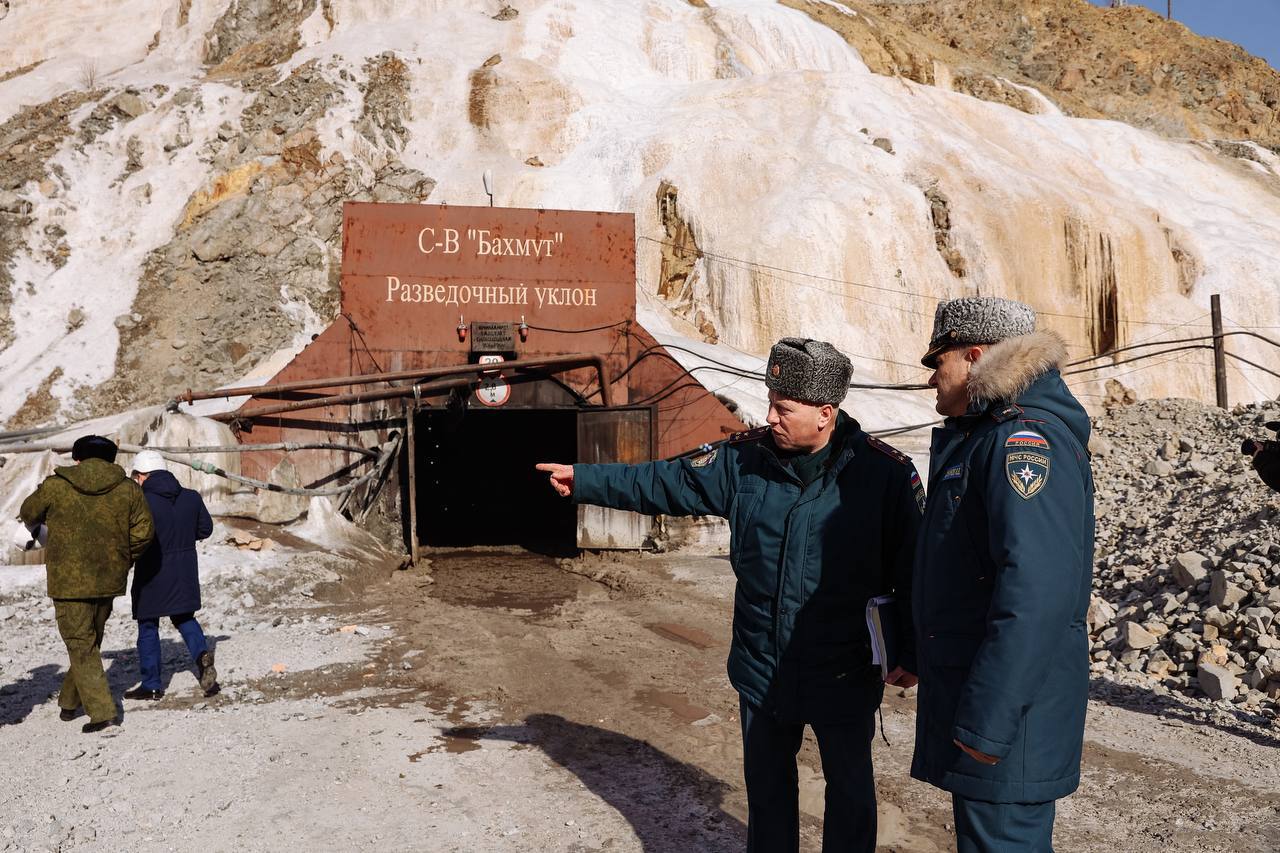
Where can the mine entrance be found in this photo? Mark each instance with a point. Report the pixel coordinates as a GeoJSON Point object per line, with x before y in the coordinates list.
{"type": "Point", "coordinates": [476, 483]}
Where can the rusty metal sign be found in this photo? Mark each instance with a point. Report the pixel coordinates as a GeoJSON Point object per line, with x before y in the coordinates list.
{"type": "Point", "coordinates": [493, 337]}
{"type": "Point", "coordinates": [443, 279]}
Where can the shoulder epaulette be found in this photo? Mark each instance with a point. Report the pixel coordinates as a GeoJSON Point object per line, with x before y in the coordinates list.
{"type": "Point", "coordinates": [1007, 413]}
{"type": "Point", "coordinates": [749, 435]}
{"type": "Point", "coordinates": [888, 450]}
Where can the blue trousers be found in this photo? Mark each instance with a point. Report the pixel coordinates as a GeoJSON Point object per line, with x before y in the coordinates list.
{"type": "Point", "coordinates": [769, 748]}
{"type": "Point", "coordinates": [1003, 827]}
{"type": "Point", "coordinates": [149, 645]}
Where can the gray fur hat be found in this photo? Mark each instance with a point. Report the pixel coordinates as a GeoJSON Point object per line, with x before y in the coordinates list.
{"type": "Point", "coordinates": [976, 320]}
{"type": "Point", "coordinates": [808, 370]}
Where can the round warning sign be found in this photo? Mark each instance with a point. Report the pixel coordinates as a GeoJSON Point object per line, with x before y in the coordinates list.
{"type": "Point", "coordinates": [494, 390]}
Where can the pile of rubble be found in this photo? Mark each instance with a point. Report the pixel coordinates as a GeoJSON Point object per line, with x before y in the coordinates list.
{"type": "Point", "coordinates": [1187, 573]}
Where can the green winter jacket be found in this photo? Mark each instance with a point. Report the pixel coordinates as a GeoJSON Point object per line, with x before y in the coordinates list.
{"type": "Point", "coordinates": [98, 525]}
{"type": "Point", "coordinates": [807, 557]}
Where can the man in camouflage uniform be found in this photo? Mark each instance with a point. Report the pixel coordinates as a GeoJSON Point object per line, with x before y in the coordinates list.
{"type": "Point", "coordinates": [98, 525]}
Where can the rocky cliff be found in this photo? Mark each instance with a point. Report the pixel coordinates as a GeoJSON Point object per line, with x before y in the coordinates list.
{"type": "Point", "coordinates": [173, 173]}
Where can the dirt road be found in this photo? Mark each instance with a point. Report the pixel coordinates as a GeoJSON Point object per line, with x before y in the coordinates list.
{"type": "Point", "coordinates": [501, 700]}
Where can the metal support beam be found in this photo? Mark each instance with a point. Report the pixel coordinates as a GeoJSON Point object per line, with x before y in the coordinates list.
{"type": "Point", "coordinates": [411, 448]}
{"type": "Point", "coordinates": [425, 390]}
{"type": "Point", "coordinates": [558, 361]}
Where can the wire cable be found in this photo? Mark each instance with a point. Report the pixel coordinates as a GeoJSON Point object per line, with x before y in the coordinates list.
{"type": "Point", "coordinates": [1252, 364]}
{"type": "Point", "coordinates": [578, 331]}
{"type": "Point", "coordinates": [1142, 357]}
{"type": "Point", "coordinates": [727, 259]}
{"type": "Point", "coordinates": [659, 349]}
{"type": "Point", "coordinates": [381, 456]}
{"type": "Point", "coordinates": [363, 342]}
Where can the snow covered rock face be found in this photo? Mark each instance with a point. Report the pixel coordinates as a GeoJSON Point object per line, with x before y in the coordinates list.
{"type": "Point", "coordinates": [1187, 582]}
{"type": "Point", "coordinates": [170, 208]}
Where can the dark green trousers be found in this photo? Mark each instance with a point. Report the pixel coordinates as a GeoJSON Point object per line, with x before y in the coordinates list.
{"type": "Point", "coordinates": [1003, 827]}
{"type": "Point", "coordinates": [81, 622]}
{"type": "Point", "coordinates": [769, 748]}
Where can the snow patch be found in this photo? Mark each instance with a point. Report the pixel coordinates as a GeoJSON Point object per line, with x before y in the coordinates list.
{"type": "Point", "coordinates": [756, 113]}
{"type": "Point", "coordinates": [112, 223]}
{"type": "Point", "coordinates": [328, 528]}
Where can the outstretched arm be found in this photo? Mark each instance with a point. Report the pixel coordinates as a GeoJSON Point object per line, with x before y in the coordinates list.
{"type": "Point", "coordinates": [698, 486]}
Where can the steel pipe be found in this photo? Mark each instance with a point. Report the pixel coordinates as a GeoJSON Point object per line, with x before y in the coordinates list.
{"type": "Point", "coordinates": [559, 361]}
{"type": "Point", "coordinates": [354, 398]}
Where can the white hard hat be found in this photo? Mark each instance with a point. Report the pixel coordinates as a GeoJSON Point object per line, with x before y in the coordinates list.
{"type": "Point", "coordinates": [147, 461]}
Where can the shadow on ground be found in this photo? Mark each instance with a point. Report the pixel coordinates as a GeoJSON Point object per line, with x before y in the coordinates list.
{"type": "Point", "coordinates": [1236, 721]}
{"type": "Point", "coordinates": [19, 698]}
{"type": "Point", "coordinates": [669, 804]}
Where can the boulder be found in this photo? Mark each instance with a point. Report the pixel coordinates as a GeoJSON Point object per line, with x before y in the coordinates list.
{"type": "Point", "coordinates": [129, 105]}
{"type": "Point", "coordinates": [1217, 682]}
{"type": "Point", "coordinates": [1189, 569]}
{"type": "Point", "coordinates": [1259, 618]}
{"type": "Point", "coordinates": [1138, 637]}
{"type": "Point", "coordinates": [1160, 664]}
{"type": "Point", "coordinates": [1100, 613]}
{"type": "Point", "coordinates": [1223, 593]}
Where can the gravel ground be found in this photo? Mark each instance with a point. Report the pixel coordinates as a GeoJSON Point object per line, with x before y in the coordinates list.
{"type": "Point", "coordinates": [504, 701]}
{"type": "Point", "coordinates": [310, 744]}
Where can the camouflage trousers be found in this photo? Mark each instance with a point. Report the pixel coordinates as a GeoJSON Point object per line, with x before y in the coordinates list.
{"type": "Point", "coordinates": [81, 623]}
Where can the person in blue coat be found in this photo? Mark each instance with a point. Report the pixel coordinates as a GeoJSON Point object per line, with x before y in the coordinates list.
{"type": "Point", "coordinates": [166, 579]}
{"type": "Point", "coordinates": [1002, 578]}
{"type": "Point", "coordinates": [822, 518]}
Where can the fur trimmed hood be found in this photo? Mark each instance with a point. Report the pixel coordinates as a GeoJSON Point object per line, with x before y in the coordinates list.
{"type": "Point", "coordinates": [1008, 368]}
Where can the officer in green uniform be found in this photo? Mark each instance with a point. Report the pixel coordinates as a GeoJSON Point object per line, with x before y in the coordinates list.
{"type": "Point", "coordinates": [1002, 579]}
{"type": "Point", "coordinates": [822, 518]}
{"type": "Point", "coordinates": [98, 525]}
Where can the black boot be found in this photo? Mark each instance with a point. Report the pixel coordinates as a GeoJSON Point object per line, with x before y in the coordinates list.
{"type": "Point", "coordinates": [141, 692]}
{"type": "Point", "coordinates": [67, 716]}
{"type": "Point", "coordinates": [207, 674]}
{"type": "Point", "coordinates": [91, 728]}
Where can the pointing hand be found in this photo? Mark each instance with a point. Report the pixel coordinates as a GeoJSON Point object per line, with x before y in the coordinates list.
{"type": "Point", "coordinates": [561, 477]}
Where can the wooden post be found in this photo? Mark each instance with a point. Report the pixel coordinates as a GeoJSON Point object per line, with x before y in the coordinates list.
{"type": "Point", "coordinates": [410, 415]}
{"type": "Point", "coordinates": [1219, 351]}
{"type": "Point", "coordinates": [1168, 10]}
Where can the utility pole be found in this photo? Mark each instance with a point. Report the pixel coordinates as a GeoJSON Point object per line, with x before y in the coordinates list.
{"type": "Point", "coordinates": [1219, 351]}
{"type": "Point", "coordinates": [1168, 10]}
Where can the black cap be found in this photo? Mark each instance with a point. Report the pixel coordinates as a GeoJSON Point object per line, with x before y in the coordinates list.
{"type": "Point", "coordinates": [93, 447]}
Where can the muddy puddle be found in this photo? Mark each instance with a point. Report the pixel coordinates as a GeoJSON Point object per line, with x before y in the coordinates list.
{"type": "Point", "coordinates": [683, 634]}
{"type": "Point", "coordinates": [679, 706]}
{"type": "Point", "coordinates": [453, 741]}
{"type": "Point", "coordinates": [516, 580]}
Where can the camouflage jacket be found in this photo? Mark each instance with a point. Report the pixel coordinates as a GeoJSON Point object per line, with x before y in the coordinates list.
{"type": "Point", "coordinates": [98, 525]}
